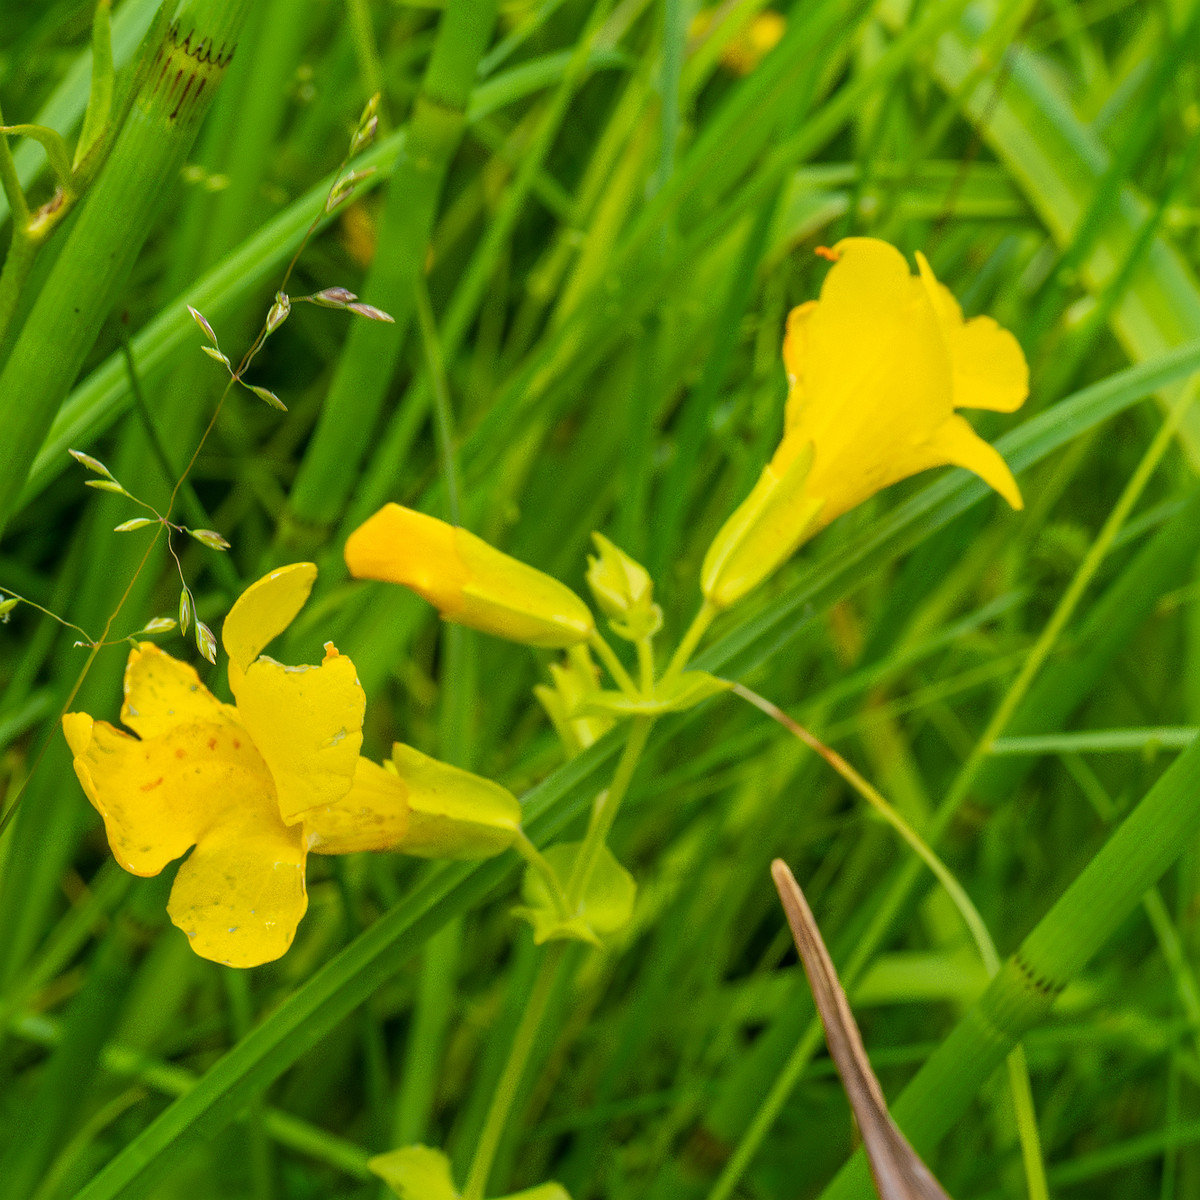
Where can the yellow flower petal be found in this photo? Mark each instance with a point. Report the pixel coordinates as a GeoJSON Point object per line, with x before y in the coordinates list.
{"type": "Point", "coordinates": [241, 894]}
{"type": "Point", "coordinates": [455, 814]}
{"type": "Point", "coordinates": [401, 545]}
{"type": "Point", "coordinates": [161, 795]}
{"type": "Point", "coordinates": [373, 815]}
{"type": "Point", "coordinates": [989, 368]}
{"type": "Point", "coordinates": [878, 380]}
{"type": "Point", "coordinates": [958, 444]}
{"type": "Point", "coordinates": [795, 355]}
{"type": "Point", "coordinates": [161, 692]}
{"type": "Point", "coordinates": [263, 611]}
{"type": "Point", "coordinates": [468, 581]}
{"type": "Point", "coordinates": [307, 725]}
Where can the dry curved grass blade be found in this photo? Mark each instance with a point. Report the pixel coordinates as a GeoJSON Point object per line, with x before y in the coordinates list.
{"type": "Point", "coordinates": [896, 1168]}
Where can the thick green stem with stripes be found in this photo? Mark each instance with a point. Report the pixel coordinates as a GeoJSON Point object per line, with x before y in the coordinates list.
{"type": "Point", "coordinates": [115, 218]}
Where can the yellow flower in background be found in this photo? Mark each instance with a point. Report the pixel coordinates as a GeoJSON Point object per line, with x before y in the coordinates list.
{"type": "Point", "coordinates": [750, 45]}
{"type": "Point", "coordinates": [876, 368]}
{"type": "Point", "coordinates": [253, 787]}
{"type": "Point", "coordinates": [468, 581]}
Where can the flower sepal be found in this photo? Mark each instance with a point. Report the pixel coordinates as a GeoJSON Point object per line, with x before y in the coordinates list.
{"type": "Point", "coordinates": [421, 1173]}
{"type": "Point", "coordinates": [676, 694]}
{"type": "Point", "coordinates": [763, 532]}
{"type": "Point", "coordinates": [606, 906]}
{"type": "Point", "coordinates": [452, 813]}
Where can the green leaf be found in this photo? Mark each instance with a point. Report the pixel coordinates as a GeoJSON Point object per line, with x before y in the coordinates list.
{"type": "Point", "coordinates": [416, 1173]}
{"type": "Point", "coordinates": [607, 903]}
{"type": "Point", "coordinates": [683, 692]}
{"type": "Point", "coordinates": [544, 1191]}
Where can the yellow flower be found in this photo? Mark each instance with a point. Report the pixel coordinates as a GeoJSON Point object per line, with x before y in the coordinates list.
{"type": "Point", "coordinates": [468, 581]}
{"type": "Point", "coordinates": [253, 787]}
{"type": "Point", "coordinates": [750, 45]}
{"type": "Point", "coordinates": [876, 368]}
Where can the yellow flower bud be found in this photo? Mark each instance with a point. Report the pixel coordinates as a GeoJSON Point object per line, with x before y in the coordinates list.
{"type": "Point", "coordinates": [624, 590]}
{"type": "Point", "coordinates": [468, 581]}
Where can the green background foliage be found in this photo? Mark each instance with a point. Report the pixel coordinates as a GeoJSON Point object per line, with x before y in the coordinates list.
{"type": "Point", "coordinates": [610, 226]}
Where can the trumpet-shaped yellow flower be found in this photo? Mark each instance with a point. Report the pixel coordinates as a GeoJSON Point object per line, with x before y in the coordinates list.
{"type": "Point", "coordinates": [468, 581]}
{"type": "Point", "coordinates": [253, 787]}
{"type": "Point", "coordinates": [876, 368]}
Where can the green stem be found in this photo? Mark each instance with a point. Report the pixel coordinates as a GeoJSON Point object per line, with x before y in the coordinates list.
{"type": "Point", "coordinates": [537, 860]}
{"type": "Point", "coordinates": [114, 221]}
{"type": "Point", "coordinates": [604, 811]}
{"type": "Point", "coordinates": [514, 1069]}
{"type": "Point", "coordinates": [608, 656]}
{"type": "Point", "coordinates": [442, 411]}
{"type": "Point", "coordinates": [691, 639]}
{"type": "Point", "coordinates": [645, 654]}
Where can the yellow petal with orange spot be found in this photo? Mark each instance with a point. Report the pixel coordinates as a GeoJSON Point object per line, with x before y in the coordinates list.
{"type": "Point", "coordinates": [373, 815]}
{"type": "Point", "coordinates": [263, 611]}
{"type": "Point", "coordinates": [241, 894]}
{"type": "Point", "coordinates": [307, 725]}
{"type": "Point", "coordinates": [161, 692]}
{"type": "Point", "coordinates": [161, 795]}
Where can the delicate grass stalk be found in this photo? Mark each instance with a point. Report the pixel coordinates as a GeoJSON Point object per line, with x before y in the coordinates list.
{"type": "Point", "coordinates": [110, 229]}
{"type": "Point", "coordinates": [1065, 609]}
{"type": "Point", "coordinates": [509, 1084]}
{"type": "Point", "coordinates": [605, 810]}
